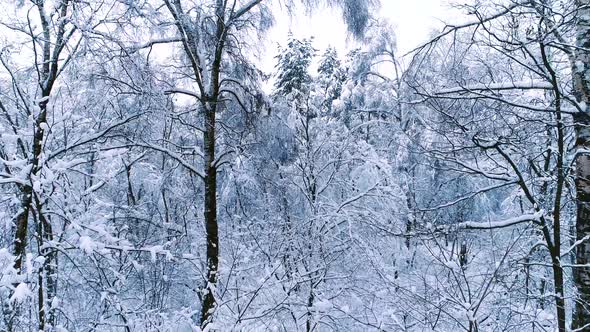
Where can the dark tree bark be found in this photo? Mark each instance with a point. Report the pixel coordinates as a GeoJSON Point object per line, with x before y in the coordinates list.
{"type": "Point", "coordinates": [210, 208]}
{"type": "Point", "coordinates": [209, 99]}
{"type": "Point", "coordinates": [30, 203]}
{"type": "Point", "coordinates": [555, 249]}
{"type": "Point", "coordinates": [581, 80]}
{"type": "Point", "coordinates": [582, 271]}
{"type": "Point", "coordinates": [210, 214]}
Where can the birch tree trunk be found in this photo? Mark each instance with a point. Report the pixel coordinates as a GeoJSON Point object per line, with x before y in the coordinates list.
{"type": "Point", "coordinates": [581, 78]}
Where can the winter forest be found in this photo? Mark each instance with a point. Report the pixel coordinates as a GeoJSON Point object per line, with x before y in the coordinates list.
{"type": "Point", "coordinates": [155, 176]}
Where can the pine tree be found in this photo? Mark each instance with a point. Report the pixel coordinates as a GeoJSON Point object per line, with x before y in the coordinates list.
{"type": "Point", "coordinates": [331, 77]}
{"type": "Point", "coordinates": [293, 78]}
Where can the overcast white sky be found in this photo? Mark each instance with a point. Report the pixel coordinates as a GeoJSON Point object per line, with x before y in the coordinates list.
{"type": "Point", "coordinates": [413, 20]}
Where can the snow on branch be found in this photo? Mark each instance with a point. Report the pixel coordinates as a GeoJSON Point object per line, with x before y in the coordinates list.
{"type": "Point", "coordinates": [183, 92]}
{"type": "Point", "coordinates": [356, 197]}
{"type": "Point", "coordinates": [151, 43]}
{"type": "Point", "coordinates": [93, 137]}
{"type": "Point", "coordinates": [468, 196]}
{"type": "Point", "coordinates": [523, 85]}
{"type": "Point", "coordinates": [450, 28]}
{"type": "Point", "coordinates": [174, 156]}
{"type": "Point", "coordinates": [535, 218]}
{"type": "Point", "coordinates": [246, 8]}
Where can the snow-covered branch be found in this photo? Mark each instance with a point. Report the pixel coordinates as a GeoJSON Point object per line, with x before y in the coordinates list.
{"type": "Point", "coordinates": [523, 85]}
{"type": "Point", "coordinates": [525, 218]}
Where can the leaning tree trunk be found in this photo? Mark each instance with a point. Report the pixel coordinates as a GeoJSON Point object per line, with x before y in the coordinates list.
{"type": "Point", "coordinates": [581, 80]}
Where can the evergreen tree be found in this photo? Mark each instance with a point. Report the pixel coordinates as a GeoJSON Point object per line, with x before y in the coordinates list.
{"type": "Point", "coordinates": [293, 78]}
{"type": "Point", "coordinates": [331, 77]}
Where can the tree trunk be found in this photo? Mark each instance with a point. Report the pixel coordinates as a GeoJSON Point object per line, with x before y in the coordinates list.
{"type": "Point", "coordinates": [210, 213]}
{"type": "Point", "coordinates": [582, 271]}
{"type": "Point", "coordinates": [555, 249]}
{"type": "Point", "coordinates": [210, 209]}
{"type": "Point", "coordinates": [581, 81]}
{"type": "Point", "coordinates": [20, 236]}
{"type": "Point", "coordinates": [22, 219]}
